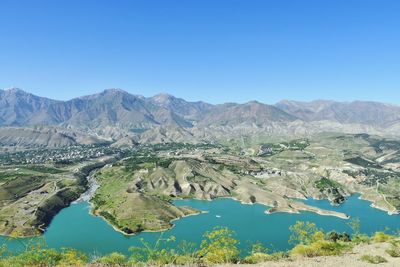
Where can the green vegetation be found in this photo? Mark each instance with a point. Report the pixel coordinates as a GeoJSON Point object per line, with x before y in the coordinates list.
{"type": "Point", "coordinates": [381, 145]}
{"type": "Point", "coordinates": [149, 162]}
{"type": "Point", "coordinates": [260, 257]}
{"type": "Point", "coordinates": [325, 183]}
{"type": "Point", "coordinates": [313, 242]}
{"type": "Point", "coordinates": [219, 246]}
{"type": "Point", "coordinates": [259, 254]}
{"type": "Point", "coordinates": [122, 203]}
{"type": "Point", "coordinates": [113, 259]}
{"type": "Point", "coordinates": [394, 250]}
{"type": "Point", "coordinates": [7, 175]}
{"type": "Point", "coordinates": [331, 189]}
{"type": "Point", "coordinates": [269, 149]}
{"type": "Point", "coordinates": [19, 187]}
{"type": "Point", "coordinates": [37, 255]}
{"type": "Point", "coordinates": [357, 236]}
{"type": "Point", "coordinates": [302, 232]}
{"type": "Point", "coordinates": [373, 259]}
{"type": "Point", "coordinates": [363, 162]}
{"type": "Point", "coordinates": [381, 237]}
{"type": "Point", "coordinates": [45, 169]}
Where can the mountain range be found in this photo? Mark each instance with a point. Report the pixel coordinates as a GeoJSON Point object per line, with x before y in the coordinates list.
{"type": "Point", "coordinates": [118, 116]}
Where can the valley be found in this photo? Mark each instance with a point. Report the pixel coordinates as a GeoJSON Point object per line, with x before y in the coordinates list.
{"type": "Point", "coordinates": [136, 187]}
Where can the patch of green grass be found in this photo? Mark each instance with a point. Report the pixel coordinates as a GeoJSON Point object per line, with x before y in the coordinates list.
{"type": "Point", "coordinates": [20, 186]}
{"type": "Point", "coordinates": [11, 174]}
{"type": "Point", "coordinates": [261, 257]}
{"type": "Point", "coordinates": [113, 259]}
{"type": "Point", "coordinates": [373, 259]}
{"type": "Point", "coordinates": [106, 215]}
{"type": "Point", "coordinates": [44, 169]}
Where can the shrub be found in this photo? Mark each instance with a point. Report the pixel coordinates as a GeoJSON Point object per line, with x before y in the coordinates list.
{"type": "Point", "coordinates": [219, 246]}
{"type": "Point", "coordinates": [302, 232]}
{"type": "Point", "coordinates": [185, 260]}
{"type": "Point", "coordinates": [113, 259]}
{"type": "Point", "coordinates": [261, 257]}
{"type": "Point", "coordinates": [334, 236]}
{"type": "Point", "coordinates": [381, 237]}
{"type": "Point", "coordinates": [46, 257]}
{"type": "Point", "coordinates": [72, 257]}
{"type": "Point", "coordinates": [187, 253]}
{"type": "Point", "coordinates": [361, 238]}
{"type": "Point", "coordinates": [394, 250]}
{"type": "Point", "coordinates": [320, 248]}
{"type": "Point", "coordinates": [258, 248]}
{"type": "Point", "coordinates": [373, 259]}
{"type": "Point", "coordinates": [154, 254]}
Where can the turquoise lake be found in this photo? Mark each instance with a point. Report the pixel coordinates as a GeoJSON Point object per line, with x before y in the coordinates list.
{"type": "Point", "coordinates": [74, 227]}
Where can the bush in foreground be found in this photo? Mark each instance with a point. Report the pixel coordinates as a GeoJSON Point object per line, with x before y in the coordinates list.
{"type": "Point", "coordinates": [381, 237]}
{"type": "Point", "coordinates": [260, 257]}
{"type": "Point", "coordinates": [373, 259]}
{"type": "Point", "coordinates": [45, 257]}
{"type": "Point", "coordinates": [313, 242]}
{"type": "Point", "coordinates": [113, 259]}
{"type": "Point", "coordinates": [219, 246]}
{"type": "Point", "coordinates": [394, 250]}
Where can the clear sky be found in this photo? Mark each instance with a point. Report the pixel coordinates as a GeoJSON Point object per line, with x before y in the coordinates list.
{"type": "Point", "coordinates": [211, 50]}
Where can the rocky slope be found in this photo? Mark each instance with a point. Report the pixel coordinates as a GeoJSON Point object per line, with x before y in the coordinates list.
{"type": "Point", "coordinates": [48, 137]}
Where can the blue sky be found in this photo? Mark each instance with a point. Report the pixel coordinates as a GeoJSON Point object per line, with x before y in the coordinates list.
{"type": "Point", "coordinates": [211, 50]}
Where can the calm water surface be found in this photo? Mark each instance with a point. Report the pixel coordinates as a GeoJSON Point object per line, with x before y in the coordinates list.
{"type": "Point", "coordinates": [74, 227]}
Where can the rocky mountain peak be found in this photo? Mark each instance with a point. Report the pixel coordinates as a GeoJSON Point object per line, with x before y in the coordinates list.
{"type": "Point", "coordinates": [15, 90]}
{"type": "Point", "coordinates": [163, 98]}
{"type": "Point", "coordinates": [114, 91]}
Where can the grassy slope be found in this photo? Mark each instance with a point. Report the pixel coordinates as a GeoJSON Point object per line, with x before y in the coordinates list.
{"type": "Point", "coordinates": [132, 211]}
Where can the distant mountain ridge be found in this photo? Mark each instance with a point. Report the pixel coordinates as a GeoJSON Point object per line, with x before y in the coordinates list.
{"type": "Point", "coordinates": [118, 107]}
{"type": "Point", "coordinates": [114, 114]}
{"type": "Point", "coordinates": [366, 112]}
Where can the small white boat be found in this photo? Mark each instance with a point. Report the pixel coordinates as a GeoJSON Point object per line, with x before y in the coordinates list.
{"type": "Point", "coordinates": [218, 216]}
